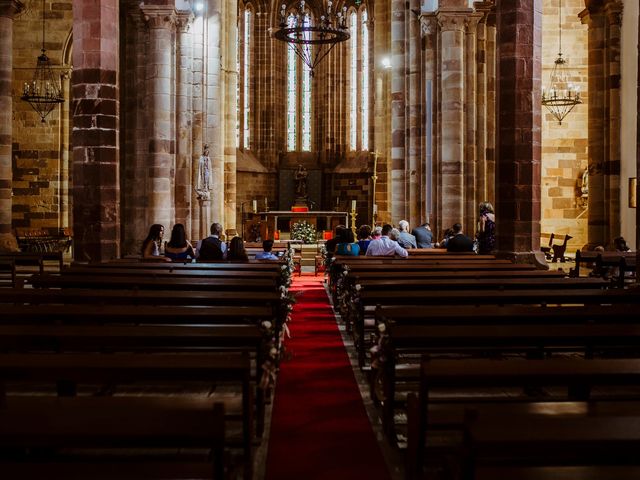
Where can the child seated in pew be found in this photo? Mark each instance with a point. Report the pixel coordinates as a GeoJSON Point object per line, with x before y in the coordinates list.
{"type": "Point", "coordinates": [267, 246]}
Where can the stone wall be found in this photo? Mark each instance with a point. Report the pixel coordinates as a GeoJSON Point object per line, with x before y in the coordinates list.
{"type": "Point", "coordinates": [565, 146]}
{"type": "Point", "coordinates": [37, 161]}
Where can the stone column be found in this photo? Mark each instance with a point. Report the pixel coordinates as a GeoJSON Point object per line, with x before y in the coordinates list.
{"type": "Point", "coordinates": [429, 28]}
{"type": "Point", "coordinates": [230, 83]}
{"type": "Point", "coordinates": [481, 107]}
{"type": "Point", "coordinates": [399, 192]}
{"type": "Point", "coordinates": [638, 160]}
{"type": "Point", "coordinates": [8, 9]}
{"type": "Point", "coordinates": [613, 11]}
{"type": "Point", "coordinates": [95, 138]}
{"type": "Point", "coordinates": [197, 130]}
{"type": "Point", "coordinates": [490, 172]}
{"type": "Point", "coordinates": [519, 132]}
{"type": "Point", "coordinates": [213, 108]}
{"type": "Point", "coordinates": [160, 80]}
{"type": "Point", "coordinates": [64, 219]}
{"type": "Point", "coordinates": [472, 197]}
{"type": "Point", "coordinates": [183, 186]}
{"type": "Point", "coordinates": [452, 64]}
{"type": "Point", "coordinates": [414, 128]}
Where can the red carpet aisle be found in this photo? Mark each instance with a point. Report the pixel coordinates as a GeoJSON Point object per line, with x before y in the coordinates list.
{"type": "Point", "coordinates": [319, 427]}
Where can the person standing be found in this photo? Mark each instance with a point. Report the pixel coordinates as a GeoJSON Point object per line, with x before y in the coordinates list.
{"type": "Point", "coordinates": [212, 249]}
{"type": "Point", "coordinates": [486, 234]}
{"type": "Point", "coordinates": [459, 242]}
{"type": "Point", "coordinates": [424, 235]}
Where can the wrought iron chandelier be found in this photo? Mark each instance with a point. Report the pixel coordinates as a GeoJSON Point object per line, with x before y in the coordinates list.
{"type": "Point", "coordinates": [44, 92]}
{"type": "Point", "coordinates": [562, 95]}
{"type": "Point", "coordinates": [312, 41]}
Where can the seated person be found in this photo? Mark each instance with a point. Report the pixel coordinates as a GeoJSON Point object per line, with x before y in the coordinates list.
{"type": "Point", "coordinates": [364, 238]}
{"type": "Point", "coordinates": [448, 233]}
{"type": "Point", "coordinates": [406, 239]}
{"type": "Point", "coordinates": [385, 245]}
{"type": "Point", "coordinates": [459, 242]}
{"type": "Point", "coordinates": [151, 244]}
{"type": "Point", "coordinates": [237, 252]}
{"type": "Point", "coordinates": [620, 244]}
{"type": "Point", "coordinates": [331, 244]}
{"type": "Point", "coordinates": [178, 248]}
{"type": "Point", "coordinates": [348, 245]}
{"type": "Point", "coordinates": [212, 249]}
{"type": "Point", "coordinates": [267, 245]}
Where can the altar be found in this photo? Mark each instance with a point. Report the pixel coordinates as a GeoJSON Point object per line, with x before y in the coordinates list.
{"type": "Point", "coordinates": [277, 220]}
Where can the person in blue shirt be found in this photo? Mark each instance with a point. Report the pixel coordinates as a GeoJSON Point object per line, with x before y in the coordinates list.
{"type": "Point", "coordinates": [267, 245]}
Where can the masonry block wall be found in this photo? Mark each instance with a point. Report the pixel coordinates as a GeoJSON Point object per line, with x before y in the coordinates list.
{"type": "Point", "coordinates": [565, 146]}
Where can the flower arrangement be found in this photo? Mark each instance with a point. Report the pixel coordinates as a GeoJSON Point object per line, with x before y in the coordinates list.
{"type": "Point", "coordinates": [304, 231]}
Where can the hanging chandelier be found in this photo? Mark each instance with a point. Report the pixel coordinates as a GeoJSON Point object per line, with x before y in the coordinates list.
{"type": "Point", "coordinates": [562, 95]}
{"type": "Point", "coordinates": [44, 92]}
{"type": "Point", "coordinates": [312, 41]}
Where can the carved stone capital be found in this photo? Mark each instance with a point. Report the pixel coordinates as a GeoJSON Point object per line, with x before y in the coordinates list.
{"type": "Point", "coordinates": [159, 16]}
{"type": "Point", "coordinates": [428, 24]}
{"type": "Point", "coordinates": [613, 11]}
{"type": "Point", "coordinates": [184, 20]}
{"type": "Point", "coordinates": [451, 21]}
{"type": "Point", "coordinates": [10, 8]}
{"type": "Point", "coordinates": [471, 22]}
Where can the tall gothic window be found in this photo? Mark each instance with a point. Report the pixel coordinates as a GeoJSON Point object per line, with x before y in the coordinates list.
{"type": "Point", "coordinates": [246, 78]}
{"type": "Point", "coordinates": [243, 90]}
{"type": "Point", "coordinates": [359, 81]}
{"type": "Point", "coordinates": [299, 84]}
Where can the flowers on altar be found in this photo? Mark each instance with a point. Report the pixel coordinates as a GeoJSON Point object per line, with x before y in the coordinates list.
{"type": "Point", "coordinates": [304, 231]}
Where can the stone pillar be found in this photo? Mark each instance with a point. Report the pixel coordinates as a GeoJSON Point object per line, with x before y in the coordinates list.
{"type": "Point", "coordinates": [429, 29]}
{"type": "Point", "coordinates": [197, 130]}
{"type": "Point", "coordinates": [452, 64]}
{"type": "Point", "coordinates": [490, 172]}
{"type": "Point", "coordinates": [64, 218]}
{"type": "Point", "coordinates": [160, 80]}
{"type": "Point", "coordinates": [519, 132]}
{"type": "Point", "coordinates": [230, 83]}
{"type": "Point", "coordinates": [183, 186]}
{"type": "Point", "coordinates": [95, 107]}
{"type": "Point", "coordinates": [472, 198]}
{"type": "Point", "coordinates": [8, 9]}
{"type": "Point", "coordinates": [613, 11]}
{"type": "Point", "coordinates": [638, 160]}
{"type": "Point", "coordinates": [399, 192]}
{"type": "Point", "coordinates": [481, 107]}
{"type": "Point", "coordinates": [213, 108]}
{"type": "Point", "coordinates": [414, 128]}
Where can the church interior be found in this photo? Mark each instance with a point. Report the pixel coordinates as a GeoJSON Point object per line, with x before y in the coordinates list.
{"type": "Point", "coordinates": [288, 120]}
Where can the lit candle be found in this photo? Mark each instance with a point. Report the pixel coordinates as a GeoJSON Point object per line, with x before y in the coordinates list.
{"type": "Point", "coordinates": [266, 203]}
{"type": "Point", "coordinates": [255, 205]}
{"type": "Point", "coordinates": [375, 208]}
{"type": "Point", "coordinates": [337, 201]}
{"type": "Point", "coordinates": [353, 205]}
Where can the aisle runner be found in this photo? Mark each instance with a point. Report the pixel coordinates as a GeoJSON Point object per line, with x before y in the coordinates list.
{"type": "Point", "coordinates": [319, 428]}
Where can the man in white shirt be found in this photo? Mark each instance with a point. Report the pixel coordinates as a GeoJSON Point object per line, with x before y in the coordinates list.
{"type": "Point", "coordinates": [384, 246]}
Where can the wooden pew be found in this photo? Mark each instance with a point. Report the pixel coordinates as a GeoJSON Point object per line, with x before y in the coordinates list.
{"type": "Point", "coordinates": [159, 283]}
{"type": "Point", "coordinates": [173, 273]}
{"type": "Point", "coordinates": [577, 375]}
{"type": "Point", "coordinates": [251, 265]}
{"type": "Point", "coordinates": [8, 272]}
{"type": "Point", "coordinates": [535, 338]}
{"type": "Point", "coordinates": [34, 259]}
{"type": "Point", "coordinates": [67, 371]}
{"type": "Point", "coordinates": [102, 424]}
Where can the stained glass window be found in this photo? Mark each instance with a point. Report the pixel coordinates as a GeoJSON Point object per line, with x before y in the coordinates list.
{"type": "Point", "coordinates": [365, 81]}
{"type": "Point", "coordinates": [292, 97]}
{"type": "Point", "coordinates": [246, 78]}
{"type": "Point", "coordinates": [306, 97]}
{"type": "Point", "coordinates": [353, 68]}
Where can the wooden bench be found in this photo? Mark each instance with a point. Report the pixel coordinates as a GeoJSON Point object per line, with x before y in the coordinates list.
{"type": "Point", "coordinates": [67, 371]}
{"type": "Point", "coordinates": [536, 338]}
{"type": "Point", "coordinates": [102, 424]}
{"type": "Point", "coordinates": [577, 375]}
{"type": "Point", "coordinates": [33, 259]}
{"type": "Point", "coordinates": [7, 272]}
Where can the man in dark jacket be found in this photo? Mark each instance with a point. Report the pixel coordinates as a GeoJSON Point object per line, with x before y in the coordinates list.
{"type": "Point", "coordinates": [424, 236]}
{"type": "Point", "coordinates": [459, 242]}
{"type": "Point", "coordinates": [212, 249]}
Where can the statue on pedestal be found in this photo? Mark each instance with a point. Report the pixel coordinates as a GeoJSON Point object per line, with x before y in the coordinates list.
{"type": "Point", "coordinates": [203, 182]}
{"type": "Point", "coordinates": [300, 177]}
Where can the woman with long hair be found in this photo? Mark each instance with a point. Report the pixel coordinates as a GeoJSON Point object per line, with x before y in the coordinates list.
{"type": "Point", "coordinates": [178, 248]}
{"type": "Point", "coordinates": [151, 245]}
{"type": "Point", "coordinates": [486, 234]}
{"type": "Point", "coordinates": [237, 252]}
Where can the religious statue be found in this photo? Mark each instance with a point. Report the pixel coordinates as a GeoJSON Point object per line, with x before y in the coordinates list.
{"type": "Point", "coordinates": [301, 182]}
{"type": "Point", "coordinates": [203, 183]}
{"type": "Point", "coordinates": [584, 188]}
